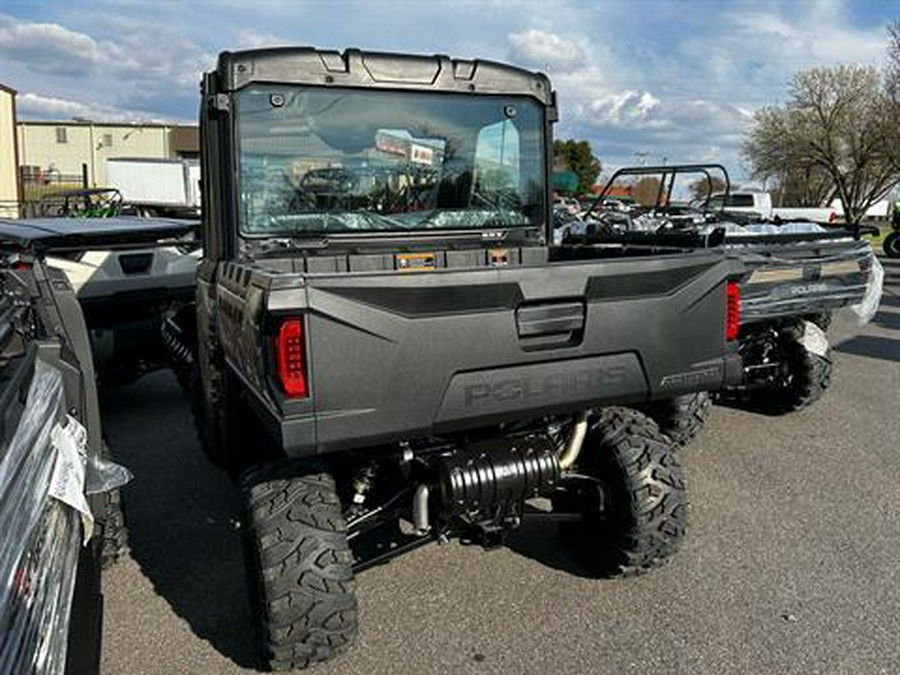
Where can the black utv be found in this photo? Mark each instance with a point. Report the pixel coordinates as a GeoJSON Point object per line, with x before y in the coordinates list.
{"type": "Point", "coordinates": [390, 350]}
{"type": "Point", "coordinates": [59, 523]}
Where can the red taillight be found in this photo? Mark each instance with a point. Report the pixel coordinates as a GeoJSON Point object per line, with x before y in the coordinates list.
{"type": "Point", "coordinates": [832, 217]}
{"type": "Point", "coordinates": [290, 352]}
{"type": "Point", "coordinates": [732, 311]}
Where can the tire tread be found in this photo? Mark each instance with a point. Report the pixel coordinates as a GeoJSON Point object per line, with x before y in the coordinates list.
{"type": "Point", "coordinates": [302, 566]}
{"type": "Point", "coordinates": [651, 521]}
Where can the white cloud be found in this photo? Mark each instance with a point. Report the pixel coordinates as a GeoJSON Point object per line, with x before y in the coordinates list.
{"type": "Point", "coordinates": [47, 47]}
{"type": "Point", "coordinates": [679, 83]}
{"type": "Point", "coordinates": [250, 39]}
{"type": "Point", "coordinates": [32, 106]}
{"type": "Point", "coordinates": [545, 50]}
{"type": "Point", "coordinates": [760, 23]}
{"type": "Point", "coordinates": [819, 36]}
{"type": "Point", "coordinates": [624, 108]}
{"type": "Point", "coordinates": [140, 60]}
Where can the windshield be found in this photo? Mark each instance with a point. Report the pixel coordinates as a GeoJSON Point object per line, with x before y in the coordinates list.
{"type": "Point", "coordinates": [317, 161]}
{"type": "Point", "coordinates": [735, 200]}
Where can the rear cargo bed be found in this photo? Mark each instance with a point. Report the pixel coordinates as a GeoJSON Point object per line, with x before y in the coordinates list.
{"type": "Point", "coordinates": [416, 354]}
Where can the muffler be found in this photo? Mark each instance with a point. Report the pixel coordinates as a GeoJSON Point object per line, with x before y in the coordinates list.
{"type": "Point", "coordinates": [494, 477]}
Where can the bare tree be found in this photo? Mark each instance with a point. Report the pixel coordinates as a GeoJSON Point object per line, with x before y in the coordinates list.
{"type": "Point", "coordinates": [892, 70]}
{"type": "Point", "coordinates": [703, 187]}
{"type": "Point", "coordinates": [892, 78]}
{"type": "Point", "coordinates": [647, 192]}
{"type": "Point", "coordinates": [836, 131]}
{"type": "Point", "coordinates": [772, 148]}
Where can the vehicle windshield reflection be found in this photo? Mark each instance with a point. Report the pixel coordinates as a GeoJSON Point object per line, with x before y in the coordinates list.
{"type": "Point", "coordinates": [314, 161]}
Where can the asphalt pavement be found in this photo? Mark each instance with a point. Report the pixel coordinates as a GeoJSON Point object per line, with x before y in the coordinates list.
{"type": "Point", "coordinates": [792, 564]}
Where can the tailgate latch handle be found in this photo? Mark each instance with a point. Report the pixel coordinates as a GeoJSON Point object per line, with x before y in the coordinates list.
{"type": "Point", "coordinates": [549, 325]}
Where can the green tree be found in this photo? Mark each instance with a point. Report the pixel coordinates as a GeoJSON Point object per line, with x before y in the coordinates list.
{"type": "Point", "coordinates": [571, 155]}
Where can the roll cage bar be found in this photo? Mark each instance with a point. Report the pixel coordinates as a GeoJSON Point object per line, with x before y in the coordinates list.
{"type": "Point", "coordinates": [667, 174]}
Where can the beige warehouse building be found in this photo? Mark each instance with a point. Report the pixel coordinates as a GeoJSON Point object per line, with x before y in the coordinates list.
{"type": "Point", "coordinates": [62, 148]}
{"type": "Point", "coordinates": [10, 187]}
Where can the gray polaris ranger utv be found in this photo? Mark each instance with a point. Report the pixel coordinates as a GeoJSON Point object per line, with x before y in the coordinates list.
{"type": "Point", "coordinates": [797, 276]}
{"type": "Point", "coordinates": [389, 350]}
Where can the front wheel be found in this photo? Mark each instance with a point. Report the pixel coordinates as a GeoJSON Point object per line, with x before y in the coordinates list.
{"type": "Point", "coordinates": [114, 529]}
{"type": "Point", "coordinates": [891, 244]}
{"type": "Point", "coordinates": [300, 566]}
{"type": "Point", "coordinates": [629, 495]}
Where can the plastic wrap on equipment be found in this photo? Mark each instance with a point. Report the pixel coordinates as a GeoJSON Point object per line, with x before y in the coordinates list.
{"type": "Point", "coordinates": [42, 535]}
{"type": "Point", "coordinates": [847, 321]}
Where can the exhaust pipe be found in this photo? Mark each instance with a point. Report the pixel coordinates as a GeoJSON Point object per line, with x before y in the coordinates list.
{"type": "Point", "coordinates": [576, 440]}
{"type": "Point", "coordinates": [421, 521]}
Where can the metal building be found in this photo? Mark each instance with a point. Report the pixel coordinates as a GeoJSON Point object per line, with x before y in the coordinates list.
{"type": "Point", "coordinates": [10, 186]}
{"type": "Point", "coordinates": [51, 149]}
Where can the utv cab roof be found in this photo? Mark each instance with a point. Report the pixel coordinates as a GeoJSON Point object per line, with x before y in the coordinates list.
{"type": "Point", "coordinates": [356, 68]}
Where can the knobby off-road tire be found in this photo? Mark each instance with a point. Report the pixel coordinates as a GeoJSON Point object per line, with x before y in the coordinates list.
{"type": "Point", "coordinates": [184, 375]}
{"type": "Point", "coordinates": [114, 544]}
{"type": "Point", "coordinates": [680, 418]}
{"type": "Point", "coordinates": [809, 378]}
{"type": "Point", "coordinates": [230, 433]}
{"type": "Point", "coordinates": [645, 505]}
{"type": "Point", "coordinates": [891, 245]}
{"type": "Point", "coordinates": [299, 565]}
{"type": "Point", "coordinates": [114, 532]}
{"type": "Point", "coordinates": [206, 421]}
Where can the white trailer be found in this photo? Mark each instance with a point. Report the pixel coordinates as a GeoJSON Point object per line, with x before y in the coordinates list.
{"type": "Point", "coordinates": [156, 186]}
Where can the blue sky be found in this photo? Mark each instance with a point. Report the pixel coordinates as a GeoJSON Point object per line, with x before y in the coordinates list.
{"type": "Point", "coordinates": [672, 79]}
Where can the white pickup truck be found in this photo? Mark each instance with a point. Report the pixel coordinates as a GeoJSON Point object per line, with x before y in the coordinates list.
{"type": "Point", "coordinates": [761, 203]}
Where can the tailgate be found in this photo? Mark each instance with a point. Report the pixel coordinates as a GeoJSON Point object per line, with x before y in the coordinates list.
{"type": "Point", "coordinates": [802, 278]}
{"type": "Point", "coordinates": [395, 356]}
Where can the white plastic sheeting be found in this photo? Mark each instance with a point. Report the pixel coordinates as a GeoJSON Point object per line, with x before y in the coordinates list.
{"type": "Point", "coordinates": [863, 312]}
{"type": "Point", "coordinates": [847, 321]}
{"type": "Point", "coordinates": [41, 534]}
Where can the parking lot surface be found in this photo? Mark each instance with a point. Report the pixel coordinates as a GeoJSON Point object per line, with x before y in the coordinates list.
{"type": "Point", "coordinates": [792, 564]}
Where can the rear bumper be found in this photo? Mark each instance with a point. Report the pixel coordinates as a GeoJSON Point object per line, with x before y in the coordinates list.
{"type": "Point", "coordinates": [483, 398]}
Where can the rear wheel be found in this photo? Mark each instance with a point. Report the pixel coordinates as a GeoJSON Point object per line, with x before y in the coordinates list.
{"type": "Point", "coordinates": [681, 418]}
{"type": "Point", "coordinates": [207, 420]}
{"type": "Point", "coordinates": [807, 374]}
{"type": "Point", "coordinates": [630, 495]}
{"type": "Point", "coordinates": [891, 244]}
{"type": "Point", "coordinates": [822, 320]}
{"type": "Point", "coordinates": [230, 432]}
{"type": "Point", "coordinates": [300, 566]}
